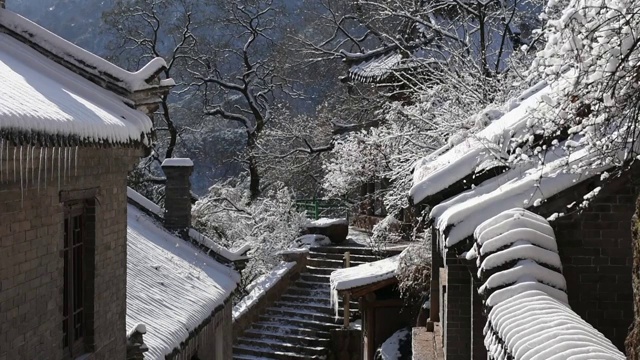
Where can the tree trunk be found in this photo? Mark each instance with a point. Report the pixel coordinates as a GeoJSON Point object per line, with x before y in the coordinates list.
{"type": "Point", "coordinates": [254, 175]}
{"type": "Point", "coordinates": [632, 343]}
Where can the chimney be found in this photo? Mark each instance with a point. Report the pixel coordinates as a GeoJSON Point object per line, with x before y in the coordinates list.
{"type": "Point", "coordinates": [177, 202]}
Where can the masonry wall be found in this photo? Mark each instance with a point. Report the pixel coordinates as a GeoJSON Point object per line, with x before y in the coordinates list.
{"type": "Point", "coordinates": [213, 341]}
{"type": "Point", "coordinates": [31, 239]}
{"type": "Point", "coordinates": [596, 253]}
{"type": "Point", "coordinates": [457, 310]}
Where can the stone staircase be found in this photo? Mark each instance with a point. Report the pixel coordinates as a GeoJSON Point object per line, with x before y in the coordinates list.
{"type": "Point", "coordinates": [297, 325]}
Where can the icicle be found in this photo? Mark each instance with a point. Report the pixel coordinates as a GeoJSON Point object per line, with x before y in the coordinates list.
{"type": "Point", "coordinates": [59, 157]}
{"type": "Point", "coordinates": [1, 147]}
{"type": "Point", "coordinates": [69, 166]}
{"type": "Point", "coordinates": [26, 167]}
{"type": "Point", "coordinates": [21, 186]}
{"type": "Point", "coordinates": [75, 168]}
{"type": "Point", "coordinates": [53, 157]}
{"type": "Point", "coordinates": [33, 165]}
{"type": "Point", "coordinates": [15, 177]}
{"type": "Point", "coordinates": [39, 168]}
{"type": "Point", "coordinates": [46, 151]}
{"type": "Point", "coordinates": [64, 164]}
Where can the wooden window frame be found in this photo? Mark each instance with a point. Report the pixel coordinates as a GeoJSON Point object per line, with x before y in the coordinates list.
{"type": "Point", "coordinates": [79, 279]}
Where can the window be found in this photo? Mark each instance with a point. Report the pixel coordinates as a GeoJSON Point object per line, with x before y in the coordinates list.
{"type": "Point", "coordinates": [78, 273]}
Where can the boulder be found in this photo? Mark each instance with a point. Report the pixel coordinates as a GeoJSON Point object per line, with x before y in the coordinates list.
{"type": "Point", "coordinates": [335, 229]}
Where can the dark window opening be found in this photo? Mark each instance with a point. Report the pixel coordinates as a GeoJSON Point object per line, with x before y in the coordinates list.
{"type": "Point", "coordinates": [77, 289]}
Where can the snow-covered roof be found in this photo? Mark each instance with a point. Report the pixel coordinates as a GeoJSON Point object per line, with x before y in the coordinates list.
{"type": "Point", "coordinates": [83, 59]}
{"type": "Point", "coordinates": [238, 254]}
{"type": "Point", "coordinates": [172, 287]}
{"type": "Point", "coordinates": [40, 98]}
{"type": "Point", "coordinates": [458, 217]}
{"type": "Point", "coordinates": [365, 274]}
{"type": "Point", "coordinates": [528, 312]}
{"type": "Point", "coordinates": [478, 152]}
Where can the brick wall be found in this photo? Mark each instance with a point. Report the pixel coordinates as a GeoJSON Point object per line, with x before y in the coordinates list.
{"type": "Point", "coordinates": [31, 266]}
{"type": "Point", "coordinates": [457, 311]}
{"type": "Point", "coordinates": [596, 254]}
{"type": "Point", "coordinates": [213, 341]}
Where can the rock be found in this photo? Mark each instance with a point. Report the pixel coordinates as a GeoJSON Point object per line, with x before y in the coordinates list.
{"type": "Point", "coordinates": [335, 229]}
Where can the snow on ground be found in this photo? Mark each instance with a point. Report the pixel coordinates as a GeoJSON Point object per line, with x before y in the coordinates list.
{"type": "Point", "coordinates": [40, 96]}
{"type": "Point", "coordinates": [529, 316]}
{"type": "Point", "coordinates": [172, 287]}
{"type": "Point", "coordinates": [231, 255]}
{"type": "Point", "coordinates": [365, 274]}
{"type": "Point", "coordinates": [390, 348]}
{"type": "Point", "coordinates": [312, 240]}
{"type": "Point", "coordinates": [260, 286]}
{"type": "Point", "coordinates": [132, 81]}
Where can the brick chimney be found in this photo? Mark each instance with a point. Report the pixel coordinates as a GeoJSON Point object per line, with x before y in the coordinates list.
{"type": "Point", "coordinates": [177, 202]}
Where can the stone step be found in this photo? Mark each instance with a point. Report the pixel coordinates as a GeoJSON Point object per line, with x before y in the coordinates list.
{"type": "Point", "coordinates": [314, 293]}
{"type": "Point", "coordinates": [364, 250]}
{"type": "Point", "coordinates": [267, 353]}
{"type": "Point", "coordinates": [340, 256]}
{"type": "Point", "coordinates": [330, 263]}
{"type": "Point", "coordinates": [355, 250]}
{"type": "Point", "coordinates": [298, 314]}
{"type": "Point", "coordinates": [309, 341]}
{"type": "Point", "coordinates": [313, 307]}
{"type": "Point", "coordinates": [270, 326]}
{"type": "Point", "coordinates": [302, 323]}
{"type": "Point", "coordinates": [312, 285]}
{"type": "Point", "coordinates": [284, 347]}
{"type": "Point", "coordinates": [319, 270]}
{"type": "Point", "coordinates": [320, 278]}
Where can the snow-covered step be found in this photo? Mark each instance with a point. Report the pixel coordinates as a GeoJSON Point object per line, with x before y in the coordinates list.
{"type": "Point", "coordinates": [312, 284]}
{"type": "Point", "coordinates": [330, 263]}
{"type": "Point", "coordinates": [319, 270]}
{"type": "Point", "coordinates": [340, 256]}
{"type": "Point", "coordinates": [274, 327]}
{"type": "Point", "coordinates": [360, 250]}
{"type": "Point", "coordinates": [313, 307]}
{"type": "Point", "coordinates": [314, 293]}
{"type": "Point", "coordinates": [290, 313]}
{"type": "Point", "coordinates": [277, 345]}
{"type": "Point", "coordinates": [309, 341]}
{"type": "Point", "coordinates": [324, 278]}
{"type": "Point", "coordinates": [302, 323]}
{"type": "Point", "coordinates": [267, 353]}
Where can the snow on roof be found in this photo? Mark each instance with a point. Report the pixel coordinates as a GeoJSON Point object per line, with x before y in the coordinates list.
{"type": "Point", "coordinates": [132, 81]}
{"type": "Point", "coordinates": [231, 255]}
{"type": "Point", "coordinates": [529, 316]}
{"type": "Point", "coordinates": [459, 216]}
{"type": "Point", "coordinates": [361, 275]}
{"type": "Point", "coordinates": [41, 97]}
{"type": "Point", "coordinates": [172, 287]}
{"type": "Point", "coordinates": [451, 164]}
{"type": "Point", "coordinates": [177, 162]}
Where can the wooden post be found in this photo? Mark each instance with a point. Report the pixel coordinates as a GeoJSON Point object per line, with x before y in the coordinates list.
{"type": "Point", "coordinates": [347, 297]}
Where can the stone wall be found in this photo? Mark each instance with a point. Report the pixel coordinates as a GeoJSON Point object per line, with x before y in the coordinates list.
{"type": "Point", "coordinates": [596, 253]}
{"type": "Point", "coordinates": [31, 239]}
